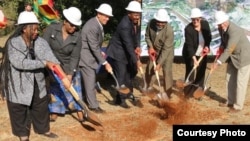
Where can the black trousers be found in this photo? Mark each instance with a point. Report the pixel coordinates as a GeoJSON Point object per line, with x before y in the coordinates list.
{"type": "Point", "coordinates": [125, 74]}
{"type": "Point", "coordinates": [37, 114]}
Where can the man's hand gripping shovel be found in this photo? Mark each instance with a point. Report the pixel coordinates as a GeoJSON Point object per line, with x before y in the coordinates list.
{"type": "Point", "coordinates": [89, 116]}
{"type": "Point", "coordinates": [161, 96]}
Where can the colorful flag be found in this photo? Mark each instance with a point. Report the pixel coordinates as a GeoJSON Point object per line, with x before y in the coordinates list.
{"type": "Point", "coordinates": [45, 10]}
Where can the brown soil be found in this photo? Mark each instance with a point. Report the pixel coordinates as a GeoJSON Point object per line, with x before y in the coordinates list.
{"type": "Point", "coordinates": [145, 121]}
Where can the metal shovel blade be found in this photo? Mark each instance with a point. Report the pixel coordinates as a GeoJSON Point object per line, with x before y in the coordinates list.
{"type": "Point", "coordinates": [122, 89]}
{"type": "Point", "coordinates": [198, 93]}
{"type": "Point", "coordinates": [181, 83]}
{"type": "Point", "coordinates": [144, 88]}
{"type": "Point", "coordinates": [91, 117]}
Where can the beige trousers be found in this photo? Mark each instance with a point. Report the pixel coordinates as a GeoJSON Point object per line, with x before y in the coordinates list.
{"type": "Point", "coordinates": [237, 82]}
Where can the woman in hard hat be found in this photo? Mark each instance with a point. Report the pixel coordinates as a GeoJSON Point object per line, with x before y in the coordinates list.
{"type": "Point", "coordinates": [122, 50]}
{"type": "Point", "coordinates": [197, 41]}
{"type": "Point", "coordinates": [236, 53]}
{"type": "Point", "coordinates": [23, 78]}
{"type": "Point", "coordinates": [160, 41]}
{"type": "Point", "coordinates": [64, 39]}
{"type": "Point", "coordinates": [91, 54]}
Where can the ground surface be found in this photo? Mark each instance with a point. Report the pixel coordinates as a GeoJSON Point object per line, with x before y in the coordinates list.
{"type": "Point", "coordinates": [145, 121]}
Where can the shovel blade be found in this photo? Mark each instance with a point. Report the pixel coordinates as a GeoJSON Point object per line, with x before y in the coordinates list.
{"type": "Point", "coordinates": [92, 118]}
{"type": "Point", "coordinates": [198, 93]}
{"type": "Point", "coordinates": [189, 90]}
{"type": "Point", "coordinates": [180, 83]}
{"type": "Point", "coordinates": [122, 89]}
{"type": "Point", "coordinates": [89, 116]}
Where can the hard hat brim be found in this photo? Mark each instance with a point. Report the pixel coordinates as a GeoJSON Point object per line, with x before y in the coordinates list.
{"type": "Point", "coordinates": [110, 15]}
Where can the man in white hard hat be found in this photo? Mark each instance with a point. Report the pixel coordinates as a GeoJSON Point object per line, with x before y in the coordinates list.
{"type": "Point", "coordinates": [65, 40]}
{"type": "Point", "coordinates": [159, 37]}
{"type": "Point", "coordinates": [91, 54]}
{"type": "Point", "coordinates": [121, 50]}
{"type": "Point", "coordinates": [236, 54]}
{"type": "Point", "coordinates": [23, 78]}
{"type": "Point", "coordinates": [197, 41]}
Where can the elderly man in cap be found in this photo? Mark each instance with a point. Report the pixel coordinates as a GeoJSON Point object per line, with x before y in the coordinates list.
{"type": "Point", "coordinates": [122, 50]}
{"type": "Point", "coordinates": [91, 54]}
{"type": "Point", "coordinates": [236, 55]}
{"type": "Point", "coordinates": [159, 37]}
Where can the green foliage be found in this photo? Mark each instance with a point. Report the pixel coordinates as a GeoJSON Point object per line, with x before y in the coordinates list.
{"type": "Point", "coordinates": [12, 8]}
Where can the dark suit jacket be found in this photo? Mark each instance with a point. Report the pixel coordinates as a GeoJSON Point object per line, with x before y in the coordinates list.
{"type": "Point", "coordinates": [68, 51]}
{"type": "Point", "coordinates": [192, 38]}
{"type": "Point", "coordinates": [92, 38]}
{"type": "Point", "coordinates": [124, 41]}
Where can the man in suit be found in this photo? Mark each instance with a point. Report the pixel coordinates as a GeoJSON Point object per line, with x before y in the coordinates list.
{"type": "Point", "coordinates": [91, 54]}
{"type": "Point", "coordinates": [236, 54]}
{"type": "Point", "coordinates": [122, 50]}
{"type": "Point", "coordinates": [159, 37]}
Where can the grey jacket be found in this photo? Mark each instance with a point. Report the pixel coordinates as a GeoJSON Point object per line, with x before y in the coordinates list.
{"type": "Point", "coordinates": [92, 38]}
{"type": "Point", "coordinates": [23, 69]}
{"type": "Point", "coordinates": [237, 47]}
{"type": "Point", "coordinates": [68, 51]}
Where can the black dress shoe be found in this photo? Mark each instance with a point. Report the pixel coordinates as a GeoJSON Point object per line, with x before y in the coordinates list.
{"type": "Point", "coordinates": [50, 135]}
{"type": "Point", "coordinates": [97, 110]}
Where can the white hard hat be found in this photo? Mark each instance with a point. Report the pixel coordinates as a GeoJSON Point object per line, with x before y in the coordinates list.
{"type": "Point", "coordinates": [105, 9]}
{"type": "Point", "coordinates": [73, 15]}
{"type": "Point", "coordinates": [196, 13]}
{"type": "Point", "coordinates": [162, 15]}
{"type": "Point", "coordinates": [220, 17]}
{"type": "Point", "coordinates": [27, 17]}
{"type": "Point", "coordinates": [134, 6]}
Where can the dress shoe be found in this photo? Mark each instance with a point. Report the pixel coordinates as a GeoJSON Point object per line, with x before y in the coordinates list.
{"type": "Point", "coordinates": [233, 110]}
{"type": "Point", "coordinates": [50, 135]}
{"type": "Point", "coordinates": [225, 105]}
{"type": "Point", "coordinates": [97, 110]}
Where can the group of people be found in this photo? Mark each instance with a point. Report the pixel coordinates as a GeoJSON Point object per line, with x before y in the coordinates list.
{"type": "Point", "coordinates": [233, 50]}
{"type": "Point", "coordinates": [29, 60]}
{"type": "Point", "coordinates": [35, 94]}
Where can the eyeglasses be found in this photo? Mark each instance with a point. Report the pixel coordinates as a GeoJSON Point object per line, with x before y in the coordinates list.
{"type": "Point", "coordinates": [195, 19]}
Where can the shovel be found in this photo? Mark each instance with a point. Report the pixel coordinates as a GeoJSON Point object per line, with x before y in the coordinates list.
{"type": "Point", "coordinates": [201, 91]}
{"type": "Point", "coordinates": [122, 89]}
{"type": "Point", "coordinates": [91, 117]}
{"type": "Point", "coordinates": [144, 88]}
{"type": "Point", "coordinates": [162, 95]}
{"type": "Point", "coordinates": [181, 83]}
